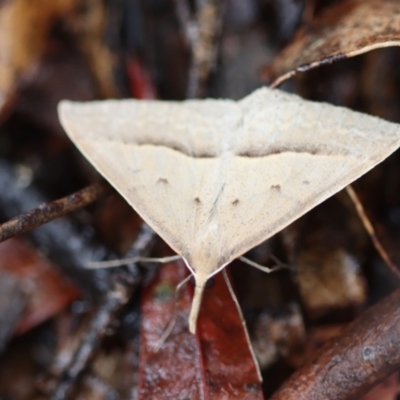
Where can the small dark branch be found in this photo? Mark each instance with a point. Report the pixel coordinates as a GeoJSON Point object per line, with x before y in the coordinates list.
{"type": "Point", "coordinates": [66, 242]}
{"type": "Point", "coordinates": [90, 343]}
{"type": "Point", "coordinates": [48, 211]}
{"type": "Point", "coordinates": [123, 286]}
{"type": "Point", "coordinates": [367, 351]}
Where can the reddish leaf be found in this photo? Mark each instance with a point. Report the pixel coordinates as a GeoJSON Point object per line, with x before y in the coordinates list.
{"type": "Point", "coordinates": [229, 367]}
{"type": "Point", "coordinates": [214, 364]}
{"type": "Point", "coordinates": [346, 29]}
{"type": "Point", "coordinates": [48, 293]}
{"type": "Point", "coordinates": [172, 372]}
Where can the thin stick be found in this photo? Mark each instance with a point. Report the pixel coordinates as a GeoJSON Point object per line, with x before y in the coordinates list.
{"type": "Point", "coordinates": [90, 342]}
{"type": "Point", "coordinates": [48, 211]}
{"type": "Point", "coordinates": [116, 298]}
{"type": "Point", "coordinates": [131, 260]}
{"type": "Point", "coordinates": [370, 229]}
{"type": "Point", "coordinates": [246, 332]}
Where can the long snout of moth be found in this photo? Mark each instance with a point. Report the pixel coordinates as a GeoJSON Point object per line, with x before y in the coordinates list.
{"type": "Point", "coordinates": [201, 281]}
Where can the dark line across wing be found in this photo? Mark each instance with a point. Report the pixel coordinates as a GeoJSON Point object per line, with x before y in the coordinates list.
{"type": "Point", "coordinates": [259, 152]}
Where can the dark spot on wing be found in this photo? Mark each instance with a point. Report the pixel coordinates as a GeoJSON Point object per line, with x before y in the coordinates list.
{"type": "Point", "coordinates": [163, 180]}
{"type": "Point", "coordinates": [197, 200]}
{"type": "Point", "coordinates": [306, 182]}
{"type": "Point", "coordinates": [236, 202]}
{"type": "Point", "coordinates": [276, 188]}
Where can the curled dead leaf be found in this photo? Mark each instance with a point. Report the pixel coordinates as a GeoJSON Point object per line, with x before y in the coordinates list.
{"type": "Point", "coordinates": [344, 30]}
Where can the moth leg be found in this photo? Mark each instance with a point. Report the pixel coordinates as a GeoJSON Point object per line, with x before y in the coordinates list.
{"type": "Point", "coordinates": [235, 300]}
{"type": "Point", "coordinates": [263, 268]}
{"type": "Point", "coordinates": [172, 323]}
{"type": "Point", "coordinates": [125, 261]}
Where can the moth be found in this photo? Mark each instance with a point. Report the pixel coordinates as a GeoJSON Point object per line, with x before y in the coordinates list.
{"type": "Point", "coordinates": [214, 178]}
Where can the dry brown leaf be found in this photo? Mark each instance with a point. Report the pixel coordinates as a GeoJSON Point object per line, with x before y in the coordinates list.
{"type": "Point", "coordinates": [344, 30]}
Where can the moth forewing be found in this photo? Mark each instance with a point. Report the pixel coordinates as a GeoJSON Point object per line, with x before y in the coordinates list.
{"type": "Point", "coordinates": [214, 178]}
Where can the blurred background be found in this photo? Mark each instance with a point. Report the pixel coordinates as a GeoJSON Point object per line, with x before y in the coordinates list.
{"type": "Point", "coordinates": [63, 331]}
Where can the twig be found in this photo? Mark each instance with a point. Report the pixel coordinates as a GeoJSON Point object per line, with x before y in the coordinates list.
{"type": "Point", "coordinates": [371, 231]}
{"type": "Point", "coordinates": [123, 287]}
{"type": "Point", "coordinates": [48, 211]}
{"type": "Point", "coordinates": [367, 351]}
{"type": "Point", "coordinates": [70, 247]}
{"type": "Point", "coordinates": [98, 326]}
{"type": "Point", "coordinates": [65, 242]}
